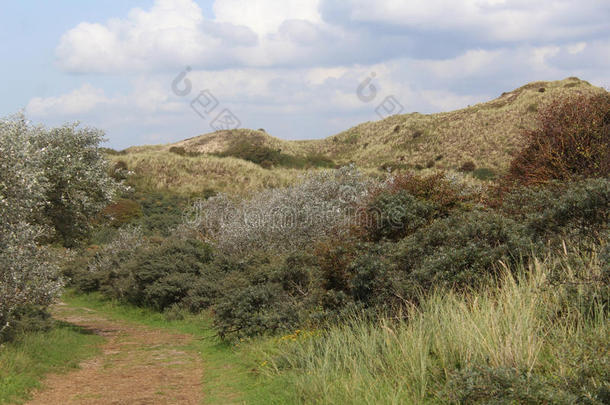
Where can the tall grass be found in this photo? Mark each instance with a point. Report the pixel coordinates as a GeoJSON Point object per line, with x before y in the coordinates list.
{"type": "Point", "coordinates": [162, 170]}
{"type": "Point", "coordinates": [528, 325]}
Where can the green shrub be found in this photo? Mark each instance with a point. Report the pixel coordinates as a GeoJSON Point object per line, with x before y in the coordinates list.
{"type": "Point", "coordinates": [161, 211]}
{"type": "Point", "coordinates": [577, 209]}
{"type": "Point", "coordinates": [459, 251]}
{"type": "Point", "coordinates": [25, 319]}
{"type": "Point", "coordinates": [393, 216]}
{"type": "Point", "coordinates": [254, 310]}
{"type": "Point", "coordinates": [407, 202]}
{"type": "Point", "coordinates": [488, 385]}
{"type": "Point", "coordinates": [263, 295]}
{"type": "Point", "coordinates": [159, 277]}
{"type": "Point", "coordinates": [102, 270]}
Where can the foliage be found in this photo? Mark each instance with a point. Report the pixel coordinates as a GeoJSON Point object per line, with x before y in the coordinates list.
{"type": "Point", "coordinates": [406, 202]}
{"type": "Point", "coordinates": [157, 274]}
{"type": "Point", "coordinates": [102, 270]}
{"type": "Point", "coordinates": [165, 275]}
{"type": "Point", "coordinates": [568, 209]}
{"type": "Point", "coordinates": [572, 140]}
{"type": "Point", "coordinates": [461, 250]}
{"type": "Point", "coordinates": [287, 219]}
{"type": "Point", "coordinates": [492, 346]}
{"type": "Point", "coordinates": [262, 296]}
{"type": "Point", "coordinates": [254, 151]}
{"type": "Point", "coordinates": [28, 271]}
{"type": "Point", "coordinates": [51, 180]}
{"type": "Point", "coordinates": [78, 184]}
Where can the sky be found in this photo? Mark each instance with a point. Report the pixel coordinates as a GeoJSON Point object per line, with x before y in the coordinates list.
{"type": "Point", "coordinates": [158, 71]}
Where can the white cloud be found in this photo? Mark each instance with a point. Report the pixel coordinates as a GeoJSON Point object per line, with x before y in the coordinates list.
{"type": "Point", "coordinates": [171, 33]}
{"type": "Point", "coordinates": [79, 101]}
{"type": "Point", "coordinates": [266, 16]}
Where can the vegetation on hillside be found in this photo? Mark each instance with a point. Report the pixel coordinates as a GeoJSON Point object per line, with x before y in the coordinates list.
{"type": "Point", "coordinates": [448, 289]}
{"type": "Point", "coordinates": [480, 140]}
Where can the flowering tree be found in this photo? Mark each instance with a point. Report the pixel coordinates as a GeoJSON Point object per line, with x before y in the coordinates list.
{"type": "Point", "coordinates": [77, 182]}
{"type": "Point", "coordinates": [50, 181]}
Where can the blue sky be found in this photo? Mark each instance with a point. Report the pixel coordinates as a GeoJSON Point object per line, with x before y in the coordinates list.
{"type": "Point", "coordinates": [291, 67]}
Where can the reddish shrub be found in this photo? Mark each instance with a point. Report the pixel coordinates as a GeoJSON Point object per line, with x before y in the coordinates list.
{"type": "Point", "coordinates": [122, 211]}
{"type": "Point", "coordinates": [571, 141]}
{"type": "Point", "coordinates": [468, 166]}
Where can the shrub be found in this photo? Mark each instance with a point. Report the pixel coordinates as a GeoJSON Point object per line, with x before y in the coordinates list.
{"type": "Point", "coordinates": [161, 276]}
{"type": "Point", "coordinates": [261, 296]}
{"type": "Point", "coordinates": [572, 140]}
{"type": "Point", "coordinates": [485, 385]}
{"type": "Point", "coordinates": [407, 201]}
{"type": "Point", "coordinates": [103, 270]}
{"type": "Point", "coordinates": [468, 166]}
{"type": "Point", "coordinates": [25, 319]}
{"type": "Point", "coordinates": [121, 212]}
{"type": "Point", "coordinates": [29, 273]}
{"type": "Point", "coordinates": [580, 209]}
{"type": "Point", "coordinates": [78, 183]}
{"type": "Point", "coordinates": [254, 310]}
{"type": "Point", "coordinates": [460, 251]}
{"type": "Point", "coordinates": [287, 219]}
{"type": "Point", "coordinates": [395, 215]}
{"type": "Point", "coordinates": [161, 211]}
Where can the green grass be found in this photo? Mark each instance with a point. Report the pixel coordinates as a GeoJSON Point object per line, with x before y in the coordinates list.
{"type": "Point", "coordinates": [232, 373]}
{"type": "Point", "coordinates": [24, 363]}
{"type": "Point", "coordinates": [527, 331]}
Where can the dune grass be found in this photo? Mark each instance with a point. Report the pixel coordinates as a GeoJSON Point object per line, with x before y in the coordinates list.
{"type": "Point", "coordinates": [487, 134]}
{"type": "Point", "coordinates": [186, 175]}
{"type": "Point", "coordinates": [543, 339]}
{"type": "Point", "coordinates": [24, 363]}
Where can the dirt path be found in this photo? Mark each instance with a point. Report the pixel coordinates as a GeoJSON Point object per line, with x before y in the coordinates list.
{"type": "Point", "coordinates": [138, 365]}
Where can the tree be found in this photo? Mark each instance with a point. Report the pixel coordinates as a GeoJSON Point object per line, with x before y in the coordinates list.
{"type": "Point", "coordinates": [77, 182]}
{"type": "Point", "coordinates": [51, 183]}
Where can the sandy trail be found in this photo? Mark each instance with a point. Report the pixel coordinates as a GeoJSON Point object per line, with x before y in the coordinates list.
{"type": "Point", "coordinates": [138, 365]}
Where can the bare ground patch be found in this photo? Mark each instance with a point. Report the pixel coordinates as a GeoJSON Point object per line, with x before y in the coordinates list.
{"type": "Point", "coordinates": [138, 366]}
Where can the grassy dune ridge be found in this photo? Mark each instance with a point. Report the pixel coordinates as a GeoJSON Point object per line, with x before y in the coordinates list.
{"type": "Point", "coordinates": [487, 134]}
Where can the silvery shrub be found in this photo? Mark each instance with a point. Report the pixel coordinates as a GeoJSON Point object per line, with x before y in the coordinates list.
{"type": "Point", "coordinates": [283, 219]}
{"type": "Point", "coordinates": [44, 174]}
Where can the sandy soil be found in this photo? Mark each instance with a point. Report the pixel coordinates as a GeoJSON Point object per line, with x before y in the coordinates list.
{"type": "Point", "coordinates": [138, 365]}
